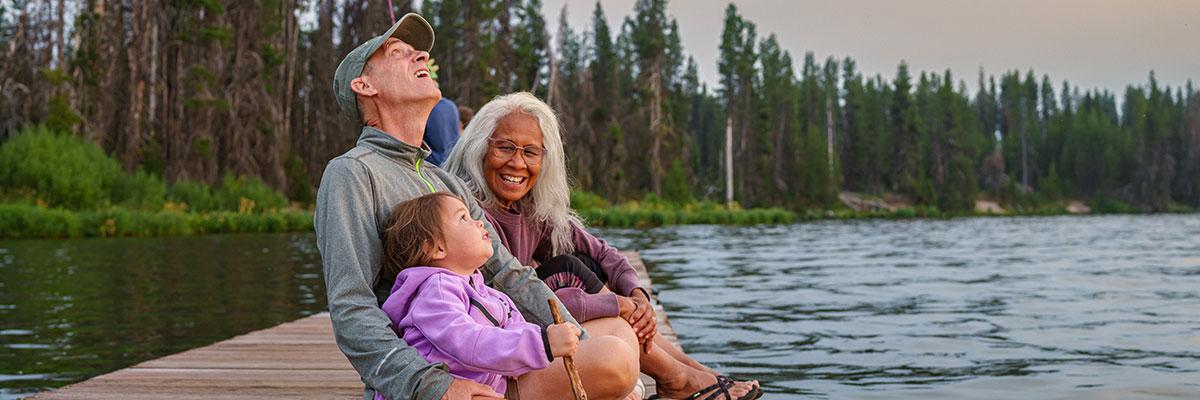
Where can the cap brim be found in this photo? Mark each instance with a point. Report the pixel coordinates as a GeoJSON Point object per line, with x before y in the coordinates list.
{"type": "Point", "coordinates": [414, 30]}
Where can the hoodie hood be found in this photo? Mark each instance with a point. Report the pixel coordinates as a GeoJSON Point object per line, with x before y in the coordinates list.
{"type": "Point", "coordinates": [408, 281]}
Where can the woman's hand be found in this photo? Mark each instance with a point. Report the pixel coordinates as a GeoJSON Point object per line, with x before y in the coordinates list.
{"type": "Point", "coordinates": [563, 338]}
{"type": "Point", "coordinates": [641, 317]}
{"type": "Point", "coordinates": [625, 305]}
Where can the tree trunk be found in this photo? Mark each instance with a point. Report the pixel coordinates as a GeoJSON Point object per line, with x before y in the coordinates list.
{"type": "Point", "coordinates": [728, 161]}
{"type": "Point", "coordinates": [656, 128]}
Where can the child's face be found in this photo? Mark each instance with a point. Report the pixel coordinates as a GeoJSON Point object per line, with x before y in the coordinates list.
{"type": "Point", "coordinates": [467, 245]}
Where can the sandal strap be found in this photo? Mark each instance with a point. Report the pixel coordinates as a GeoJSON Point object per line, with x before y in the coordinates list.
{"type": "Point", "coordinates": [724, 390]}
{"type": "Point", "coordinates": [754, 393]}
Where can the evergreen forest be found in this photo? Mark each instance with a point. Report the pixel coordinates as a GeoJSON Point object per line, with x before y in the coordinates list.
{"type": "Point", "coordinates": [201, 90]}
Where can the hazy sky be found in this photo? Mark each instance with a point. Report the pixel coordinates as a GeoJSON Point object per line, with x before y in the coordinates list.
{"type": "Point", "coordinates": [1093, 44]}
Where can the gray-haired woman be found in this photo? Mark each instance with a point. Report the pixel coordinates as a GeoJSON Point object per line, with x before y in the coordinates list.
{"type": "Point", "coordinates": [511, 157]}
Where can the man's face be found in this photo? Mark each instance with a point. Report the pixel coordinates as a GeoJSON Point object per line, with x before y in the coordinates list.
{"type": "Point", "coordinates": [398, 73]}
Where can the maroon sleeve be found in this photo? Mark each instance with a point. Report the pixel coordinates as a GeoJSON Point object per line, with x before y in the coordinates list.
{"type": "Point", "coordinates": [586, 307]}
{"type": "Point", "coordinates": [622, 279]}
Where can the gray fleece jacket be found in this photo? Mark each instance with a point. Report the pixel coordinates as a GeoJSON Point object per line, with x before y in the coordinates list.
{"type": "Point", "coordinates": [357, 192]}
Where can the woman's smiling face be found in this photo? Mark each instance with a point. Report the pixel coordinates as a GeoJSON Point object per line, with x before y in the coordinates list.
{"type": "Point", "coordinates": [511, 178]}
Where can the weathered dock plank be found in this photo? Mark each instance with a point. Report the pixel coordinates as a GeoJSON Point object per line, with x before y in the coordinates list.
{"type": "Point", "coordinates": [294, 360]}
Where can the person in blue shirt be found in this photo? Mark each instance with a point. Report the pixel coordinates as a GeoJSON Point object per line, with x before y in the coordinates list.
{"type": "Point", "coordinates": [442, 130]}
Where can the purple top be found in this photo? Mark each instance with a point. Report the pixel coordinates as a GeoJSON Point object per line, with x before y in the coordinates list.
{"type": "Point", "coordinates": [529, 243]}
{"type": "Point", "coordinates": [431, 309]}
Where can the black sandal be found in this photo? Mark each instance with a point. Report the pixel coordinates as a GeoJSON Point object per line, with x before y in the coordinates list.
{"type": "Point", "coordinates": [754, 393]}
{"type": "Point", "coordinates": [721, 388]}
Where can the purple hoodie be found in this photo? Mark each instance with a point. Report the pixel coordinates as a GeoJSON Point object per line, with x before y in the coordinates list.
{"type": "Point", "coordinates": [431, 309]}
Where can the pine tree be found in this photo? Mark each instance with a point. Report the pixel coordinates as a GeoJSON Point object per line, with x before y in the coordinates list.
{"type": "Point", "coordinates": [905, 128]}
{"type": "Point", "coordinates": [736, 66]}
{"type": "Point", "coordinates": [776, 90]}
{"type": "Point", "coordinates": [530, 49]}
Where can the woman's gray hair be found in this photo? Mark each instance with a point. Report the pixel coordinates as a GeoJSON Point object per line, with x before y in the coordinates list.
{"type": "Point", "coordinates": [549, 201]}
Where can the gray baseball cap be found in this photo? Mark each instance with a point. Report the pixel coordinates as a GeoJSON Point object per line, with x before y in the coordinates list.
{"type": "Point", "coordinates": [411, 28]}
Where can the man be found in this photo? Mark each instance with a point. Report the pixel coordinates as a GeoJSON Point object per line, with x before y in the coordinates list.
{"type": "Point", "coordinates": [385, 84]}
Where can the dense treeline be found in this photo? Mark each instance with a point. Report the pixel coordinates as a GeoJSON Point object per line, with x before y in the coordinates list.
{"type": "Point", "coordinates": [198, 89]}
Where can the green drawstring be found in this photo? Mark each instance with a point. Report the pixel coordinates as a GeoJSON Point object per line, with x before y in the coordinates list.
{"type": "Point", "coordinates": [430, 185]}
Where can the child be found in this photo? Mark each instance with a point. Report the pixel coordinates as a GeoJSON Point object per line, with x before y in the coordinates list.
{"type": "Point", "coordinates": [441, 307]}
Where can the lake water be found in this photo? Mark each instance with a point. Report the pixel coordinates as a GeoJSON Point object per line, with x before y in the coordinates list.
{"type": "Point", "coordinates": [1058, 307]}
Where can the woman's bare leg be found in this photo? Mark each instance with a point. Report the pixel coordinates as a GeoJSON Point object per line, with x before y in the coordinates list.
{"type": "Point", "coordinates": [679, 355]}
{"type": "Point", "coordinates": [673, 350]}
{"type": "Point", "coordinates": [607, 366]}
{"type": "Point", "coordinates": [675, 378]}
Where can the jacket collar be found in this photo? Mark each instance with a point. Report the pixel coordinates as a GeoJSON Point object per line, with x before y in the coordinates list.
{"type": "Point", "coordinates": [390, 147]}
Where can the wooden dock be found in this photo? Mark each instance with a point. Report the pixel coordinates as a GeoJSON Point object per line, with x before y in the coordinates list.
{"type": "Point", "coordinates": [294, 360]}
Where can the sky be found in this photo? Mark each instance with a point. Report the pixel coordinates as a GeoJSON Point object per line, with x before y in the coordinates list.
{"type": "Point", "coordinates": [1106, 44]}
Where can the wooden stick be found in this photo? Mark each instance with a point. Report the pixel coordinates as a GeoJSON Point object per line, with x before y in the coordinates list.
{"type": "Point", "coordinates": [576, 384]}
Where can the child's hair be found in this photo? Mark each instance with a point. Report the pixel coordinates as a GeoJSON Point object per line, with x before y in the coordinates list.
{"type": "Point", "coordinates": [413, 226]}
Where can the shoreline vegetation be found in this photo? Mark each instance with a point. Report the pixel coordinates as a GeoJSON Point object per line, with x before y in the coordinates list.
{"type": "Point", "coordinates": [241, 92]}
{"type": "Point", "coordinates": [56, 185]}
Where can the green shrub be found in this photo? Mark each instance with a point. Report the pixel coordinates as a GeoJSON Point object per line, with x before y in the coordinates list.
{"type": "Point", "coordinates": [1113, 206]}
{"type": "Point", "coordinates": [906, 212]}
{"type": "Point", "coordinates": [141, 191]}
{"type": "Point", "coordinates": [63, 170]}
{"type": "Point", "coordinates": [247, 194]}
{"type": "Point", "coordinates": [654, 211]}
{"type": "Point", "coordinates": [237, 194]}
{"type": "Point", "coordinates": [1179, 208]}
{"type": "Point", "coordinates": [299, 189]}
{"type": "Point", "coordinates": [586, 200]}
{"type": "Point", "coordinates": [197, 196]}
{"type": "Point", "coordinates": [26, 221]}
{"type": "Point", "coordinates": [125, 222]}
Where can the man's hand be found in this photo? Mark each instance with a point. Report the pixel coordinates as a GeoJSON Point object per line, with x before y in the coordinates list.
{"type": "Point", "coordinates": [465, 389]}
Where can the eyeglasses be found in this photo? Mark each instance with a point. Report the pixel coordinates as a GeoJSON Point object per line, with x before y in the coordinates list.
{"type": "Point", "coordinates": [505, 149]}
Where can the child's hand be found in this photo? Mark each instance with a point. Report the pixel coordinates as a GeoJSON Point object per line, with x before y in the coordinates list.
{"type": "Point", "coordinates": [564, 339]}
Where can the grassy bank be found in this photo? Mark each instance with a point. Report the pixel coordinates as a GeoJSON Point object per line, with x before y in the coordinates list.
{"type": "Point", "coordinates": [57, 185]}
{"type": "Point", "coordinates": [27, 221]}
{"type": "Point", "coordinates": [653, 211]}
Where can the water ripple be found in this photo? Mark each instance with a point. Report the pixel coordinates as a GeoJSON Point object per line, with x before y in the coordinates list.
{"type": "Point", "coordinates": [966, 308]}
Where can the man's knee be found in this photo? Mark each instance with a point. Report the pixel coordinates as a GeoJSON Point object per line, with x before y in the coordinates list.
{"type": "Point", "coordinates": [612, 326]}
{"type": "Point", "coordinates": [615, 362]}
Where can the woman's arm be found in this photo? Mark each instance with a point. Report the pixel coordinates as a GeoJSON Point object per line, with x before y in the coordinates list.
{"type": "Point", "coordinates": [622, 279]}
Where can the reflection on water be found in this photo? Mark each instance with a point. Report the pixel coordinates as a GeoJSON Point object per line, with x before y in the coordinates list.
{"type": "Point", "coordinates": [1064, 307]}
{"type": "Point", "coordinates": [1076, 307]}
{"type": "Point", "coordinates": [72, 309]}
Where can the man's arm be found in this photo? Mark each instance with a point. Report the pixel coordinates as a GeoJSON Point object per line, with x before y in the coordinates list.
{"type": "Point", "coordinates": [348, 239]}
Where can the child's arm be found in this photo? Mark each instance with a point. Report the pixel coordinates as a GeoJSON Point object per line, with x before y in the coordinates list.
{"type": "Point", "coordinates": [441, 314]}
